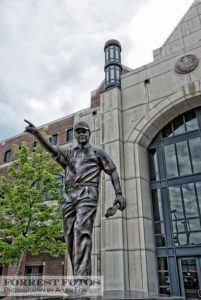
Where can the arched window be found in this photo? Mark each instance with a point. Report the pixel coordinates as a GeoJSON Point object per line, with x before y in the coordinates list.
{"type": "Point", "coordinates": [175, 175]}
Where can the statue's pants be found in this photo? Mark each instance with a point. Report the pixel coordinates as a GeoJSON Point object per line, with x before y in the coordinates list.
{"type": "Point", "coordinates": [79, 210]}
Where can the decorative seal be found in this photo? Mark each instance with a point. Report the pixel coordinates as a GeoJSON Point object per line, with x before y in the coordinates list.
{"type": "Point", "coordinates": [186, 64]}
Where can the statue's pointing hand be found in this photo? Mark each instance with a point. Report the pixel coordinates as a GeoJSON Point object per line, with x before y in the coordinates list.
{"type": "Point", "coordinates": [31, 127]}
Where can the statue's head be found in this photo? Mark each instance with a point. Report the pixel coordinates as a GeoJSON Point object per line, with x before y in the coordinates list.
{"type": "Point", "coordinates": [82, 133]}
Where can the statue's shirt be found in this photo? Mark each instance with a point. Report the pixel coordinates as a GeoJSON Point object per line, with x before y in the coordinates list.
{"type": "Point", "coordinates": [84, 165]}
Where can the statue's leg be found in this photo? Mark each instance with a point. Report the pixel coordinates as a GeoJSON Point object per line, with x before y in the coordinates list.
{"type": "Point", "coordinates": [69, 216]}
{"type": "Point", "coordinates": [86, 211]}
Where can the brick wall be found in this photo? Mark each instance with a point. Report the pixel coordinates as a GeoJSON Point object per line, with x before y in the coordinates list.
{"type": "Point", "coordinates": [51, 265]}
{"type": "Point", "coordinates": [59, 127]}
{"type": "Point", "coordinates": [11, 268]}
{"type": "Point", "coordinates": [95, 99]}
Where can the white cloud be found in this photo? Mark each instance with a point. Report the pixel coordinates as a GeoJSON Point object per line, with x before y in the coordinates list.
{"type": "Point", "coordinates": [51, 53]}
{"type": "Point", "coordinates": [150, 28]}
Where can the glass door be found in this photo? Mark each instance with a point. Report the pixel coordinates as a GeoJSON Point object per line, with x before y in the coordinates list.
{"type": "Point", "coordinates": [190, 277]}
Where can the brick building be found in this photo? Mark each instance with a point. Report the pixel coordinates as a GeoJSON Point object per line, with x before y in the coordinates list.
{"type": "Point", "coordinates": [149, 122]}
{"type": "Point", "coordinates": [61, 132]}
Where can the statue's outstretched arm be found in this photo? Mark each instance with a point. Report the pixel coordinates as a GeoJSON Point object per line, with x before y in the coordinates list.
{"type": "Point", "coordinates": [31, 128]}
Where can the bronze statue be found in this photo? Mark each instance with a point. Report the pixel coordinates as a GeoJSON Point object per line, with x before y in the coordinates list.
{"type": "Point", "coordinates": [83, 165]}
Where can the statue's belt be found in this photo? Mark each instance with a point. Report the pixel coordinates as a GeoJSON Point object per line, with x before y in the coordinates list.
{"type": "Point", "coordinates": [80, 184]}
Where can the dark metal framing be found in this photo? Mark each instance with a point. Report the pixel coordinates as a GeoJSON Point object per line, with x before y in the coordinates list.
{"type": "Point", "coordinates": [112, 66]}
{"type": "Point", "coordinates": [170, 250]}
{"type": "Point", "coordinates": [198, 265]}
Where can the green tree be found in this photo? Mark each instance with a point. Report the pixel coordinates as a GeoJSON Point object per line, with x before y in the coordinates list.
{"type": "Point", "coordinates": [29, 223]}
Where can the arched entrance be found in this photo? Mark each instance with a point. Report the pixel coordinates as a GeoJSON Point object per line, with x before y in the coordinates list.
{"type": "Point", "coordinates": [175, 175]}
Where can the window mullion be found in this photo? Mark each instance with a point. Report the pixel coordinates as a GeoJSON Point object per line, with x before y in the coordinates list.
{"type": "Point", "coordinates": [178, 169]}
{"type": "Point", "coordinates": [191, 162]}
{"type": "Point", "coordinates": [161, 163]}
{"type": "Point", "coordinates": [167, 217]}
{"type": "Point", "coordinates": [184, 122]}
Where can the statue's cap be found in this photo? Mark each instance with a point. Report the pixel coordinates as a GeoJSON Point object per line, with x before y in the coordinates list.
{"type": "Point", "coordinates": [81, 124]}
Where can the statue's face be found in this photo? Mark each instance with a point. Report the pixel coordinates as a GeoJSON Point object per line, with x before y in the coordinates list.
{"type": "Point", "coordinates": [82, 136]}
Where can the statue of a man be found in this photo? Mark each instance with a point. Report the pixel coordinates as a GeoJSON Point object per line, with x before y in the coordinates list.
{"type": "Point", "coordinates": [83, 165]}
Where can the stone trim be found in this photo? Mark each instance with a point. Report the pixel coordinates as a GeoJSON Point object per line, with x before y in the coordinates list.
{"type": "Point", "coordinates": [188, 97]}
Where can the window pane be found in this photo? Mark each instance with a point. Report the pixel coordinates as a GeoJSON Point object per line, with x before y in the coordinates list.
{"type": "Point", "coordinates": [157, 205]}
{"type": "Point", "coordinates": [183, 158]}
{"type": "Point", "coordinates": [194, 224]}
{"type": "Point", "coordinates": [34, 270]}
{"type": "Point", "coordinates": [160, 240]}
{"type": "Point", "coordinates": [176, 203]}
{"type": "Point", "coordinates": [111, 53]}
{"type": "Point", "coordinates": [189, 265]}
{"type": "Point", "coordinates": [117, 53]}
{"type": "Point", "coordinates": [118, 73]}
{"type": "Point", "coordinates": [106, 54]}
{"type": "Point", "coordinates": [69, 135]}
{"type": "Point", "coordinates": [178, 125]}
{"type": "Point", "coordinates": [153, 165]}
{"type": "Point", "coordinates": [53, 139]}
{"type": "Point", "coordinates": [191, 121]}
{"type": "Point", "coordinates": [165, 291]}
{"type": "Point", "coordinates": [170, 161]}
{"type": "Point", "coordinates": [111, 73]}
{"type": "Point", "coordinates": [28, 270]}
{"type": "Point", "coordinates": [107, 76]}
{"type": "Point", "coordinates": [178, 226]}
{"type": "Point", "coordinates": [195, 238]}
{"type": "Point", "coordinates": [180, 239]}
{"type": "Point", "coordinates": [164, 278]}
{"type": "Point", "coordinates": [190, 203]}
{"type": "Point", "coordinates": [159, 228]}
{"type": "Point", "coordinates": [7, 155]}
{"type": "Point", "coordinates": [195, 148]}
{"type": "Point", "coordinates": [167, 131]}
{"type": "Point", "coordinates": [198, 188]}
{"type": "Point", "coordinates": [162, 263]}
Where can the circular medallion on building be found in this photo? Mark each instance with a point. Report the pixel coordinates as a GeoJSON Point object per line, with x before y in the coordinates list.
{"type": "Point", "coordinates": [186, 64]}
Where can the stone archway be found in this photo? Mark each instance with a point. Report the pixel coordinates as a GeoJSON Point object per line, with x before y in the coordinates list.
{"type": "Point", "coordinates": [137, 188]}
{"type": "Point", "coordinates": [188, 97]}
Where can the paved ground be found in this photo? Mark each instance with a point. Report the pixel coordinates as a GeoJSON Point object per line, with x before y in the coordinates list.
{"type": "Point", "coordinates": [98, 298]}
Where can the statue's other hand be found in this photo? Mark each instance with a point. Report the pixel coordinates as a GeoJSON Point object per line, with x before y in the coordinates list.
{"type": "Point", "coordinates": [119, 199]}
{"type": "Point", "coordinates": [111, 211]}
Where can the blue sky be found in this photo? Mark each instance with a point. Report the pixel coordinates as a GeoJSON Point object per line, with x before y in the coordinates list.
{"type": "Point", "coordinates": [51, 52]}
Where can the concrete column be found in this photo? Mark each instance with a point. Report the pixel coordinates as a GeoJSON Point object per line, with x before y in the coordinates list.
{"type": "Point", "coordinates": [114, 265]}
{"type": "Point", "coordinates": [141, 251]}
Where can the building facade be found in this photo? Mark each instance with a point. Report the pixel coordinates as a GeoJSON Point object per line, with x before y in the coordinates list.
{"type": "Point", "coordinates": [150, 124]}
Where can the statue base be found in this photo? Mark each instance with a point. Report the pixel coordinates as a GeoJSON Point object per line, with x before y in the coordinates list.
{"type": "Point", "coordinates": [107, 296]}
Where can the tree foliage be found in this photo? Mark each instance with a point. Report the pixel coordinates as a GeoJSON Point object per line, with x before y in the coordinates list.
{"type": "Point", "coordinates": [29, 223]}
